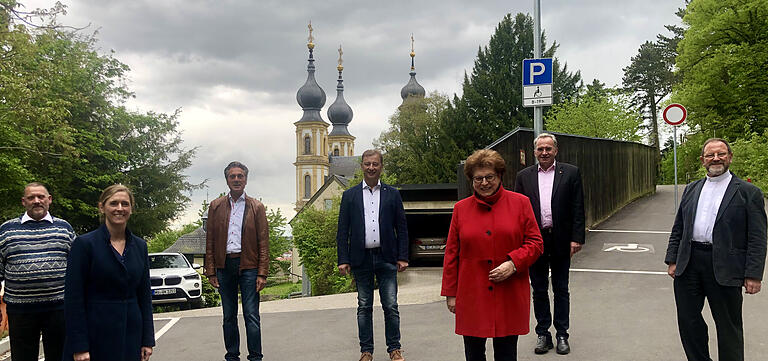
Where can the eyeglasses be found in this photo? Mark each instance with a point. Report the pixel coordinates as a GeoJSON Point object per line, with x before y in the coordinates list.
{"type": "Point", "coordinates": [712, 155]}
{"type": "Point", "coordinates": [489, 178]}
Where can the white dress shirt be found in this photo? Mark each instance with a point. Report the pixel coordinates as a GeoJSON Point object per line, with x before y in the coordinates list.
{"type": "Point", "coordinates": [709, 203]}
{"type": "Point", "coordinates": [235, 228]}
{"type": "Point", "coordinates": [26, 218]}
{"type": "Point", "coordinates": [546, 182]}
{"type": "Point", "coordinates": [371, 201]}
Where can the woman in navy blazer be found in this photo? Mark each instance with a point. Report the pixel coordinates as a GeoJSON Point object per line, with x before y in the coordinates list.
{"type": "Point", "coordinates": [108, 300]}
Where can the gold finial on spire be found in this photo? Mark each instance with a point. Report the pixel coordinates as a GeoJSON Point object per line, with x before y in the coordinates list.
{"type": "Point", "coordinates": [310, 39]}
{"type": "Point", "coordinates": [341, 52]}
{"type": "Point", "coordinates": [413, 53]}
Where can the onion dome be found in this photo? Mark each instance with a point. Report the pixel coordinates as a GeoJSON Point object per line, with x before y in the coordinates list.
{"type": "Point", "coordinates": [340, 113]}
{"type": "Point", "coordinates": [413, 88]}
{"type": "Point", "coordinates": [310, 96]}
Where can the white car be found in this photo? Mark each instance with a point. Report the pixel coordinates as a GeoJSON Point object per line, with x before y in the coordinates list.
{"type": "Point", "coordinates": [174, 280]}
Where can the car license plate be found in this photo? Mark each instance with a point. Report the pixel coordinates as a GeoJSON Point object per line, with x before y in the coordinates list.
{"type": "Point", "coordinates": [433, 246]}
{"type": "Point", "coordinates": [167, 291]}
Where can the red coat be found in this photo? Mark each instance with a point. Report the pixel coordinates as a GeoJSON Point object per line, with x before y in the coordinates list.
{"type": "Point", "coordinates": [482, 236]}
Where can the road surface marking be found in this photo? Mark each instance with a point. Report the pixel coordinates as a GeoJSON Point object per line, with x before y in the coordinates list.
{"type": "Point", "coordinates": [627, 231]}
{"type": "Point", "coordinates": [618, 271]}
{"type": "Point", "coordinates": [167, 326]}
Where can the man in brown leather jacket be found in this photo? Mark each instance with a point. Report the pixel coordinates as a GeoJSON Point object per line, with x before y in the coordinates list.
{"type": "Point", "coordinates": [237, 255]}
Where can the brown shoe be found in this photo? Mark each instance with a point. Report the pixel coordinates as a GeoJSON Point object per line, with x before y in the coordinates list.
{"type": "Point", "coordinates": [366, 356]}
{"type": "Point", "coordinates": [396, 355]}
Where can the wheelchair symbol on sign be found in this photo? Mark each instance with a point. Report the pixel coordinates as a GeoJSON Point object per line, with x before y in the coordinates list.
{"type": "Point", "coordinates": [537, 93]}
{"type": "Point", "coordinates": [630, 248]}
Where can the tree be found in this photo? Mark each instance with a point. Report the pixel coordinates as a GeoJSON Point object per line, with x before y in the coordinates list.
{"type": "Point", "coordinates": [314, 233]}
{"type": "Point", "coordinates": [600, 112]}
{"type": "Point", "coordinates": [418, 150]}
{"type": "Point", "coordinates": [491, 103]}
{"type": "Point", "coordinates": [650, 78]}
{"type": "Point", "coordinates": [278, 242]}
{"type": "Point", "coordinates": [722, 63]}
{"type": "Point", "coordinates": [63, 123]}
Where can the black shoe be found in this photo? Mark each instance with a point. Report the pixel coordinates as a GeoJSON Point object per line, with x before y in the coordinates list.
{"type": "Point", "coordinates": [563, 348]}
{"type": "Point", "coordinates": [543, 344]}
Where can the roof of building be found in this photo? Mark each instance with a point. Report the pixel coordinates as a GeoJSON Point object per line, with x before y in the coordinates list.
{"type": "Point", "coordinates": [190, 243]}
{"type": "Point", "coordinates": [344, 166]}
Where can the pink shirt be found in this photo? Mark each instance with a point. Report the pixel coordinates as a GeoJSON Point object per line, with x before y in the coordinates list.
{"type": "Point", "coordinates": [546, 181]}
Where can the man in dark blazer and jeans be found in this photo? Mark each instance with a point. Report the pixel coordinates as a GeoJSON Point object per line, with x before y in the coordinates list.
{"type": "Point", "coordinates": [372, 242]}
{"type": "Point", "coordinates": [557, 197]}
{"type": "Point", "coordinates": [716, 247]}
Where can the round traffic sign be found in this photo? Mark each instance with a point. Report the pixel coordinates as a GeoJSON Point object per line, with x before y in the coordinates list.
{"type": "Point", "coordinates": [674, 114]}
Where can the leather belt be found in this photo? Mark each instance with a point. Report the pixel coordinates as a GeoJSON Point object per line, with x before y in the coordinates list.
{"type": "Point", "coordinates": [376, 250]}
{"type": "Point", "coordinates": [701, 245]}
{"type": "Point", "coordinates": [546, 230]}
{"type": "Point", "coordinates": [233, 255]}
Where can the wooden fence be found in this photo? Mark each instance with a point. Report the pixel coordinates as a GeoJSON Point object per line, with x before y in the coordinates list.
{"type": "Point", "coordinates": [614, 173]}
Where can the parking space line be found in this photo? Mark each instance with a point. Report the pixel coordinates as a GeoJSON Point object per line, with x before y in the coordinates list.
{"type": "Point", "coordinates": [628, 231]}
{"type": "Point", "coordinates": [618, 271]}
{"type": "Point", "coordinates": [167, 326]}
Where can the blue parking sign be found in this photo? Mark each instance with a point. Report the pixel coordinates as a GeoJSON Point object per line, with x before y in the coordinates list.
{"type": "Point", "coordinates": [537, 71]}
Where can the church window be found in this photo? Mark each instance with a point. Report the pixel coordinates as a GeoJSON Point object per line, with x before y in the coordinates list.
{"type": "Point", "coordinates": [307, 145]}
{"type": "Point", "coordinates": [307, 186]}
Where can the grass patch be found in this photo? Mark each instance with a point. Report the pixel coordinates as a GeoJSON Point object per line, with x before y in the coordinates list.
{"type": "Point", "coordinates": [280, 291]}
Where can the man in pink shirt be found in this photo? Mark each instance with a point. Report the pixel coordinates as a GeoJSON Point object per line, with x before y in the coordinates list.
{"type": "Point", "coordinates": [557, 197]}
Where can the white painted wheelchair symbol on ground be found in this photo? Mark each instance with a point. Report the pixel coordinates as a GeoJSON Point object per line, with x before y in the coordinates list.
{"type": "Point", "coordinates": [628, 247]}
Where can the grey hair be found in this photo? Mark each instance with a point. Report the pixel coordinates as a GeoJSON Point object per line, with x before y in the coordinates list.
{"type": "Point", "coordinates": [235, 164]}
{"type": "Point", "coordinates": [545, 135]}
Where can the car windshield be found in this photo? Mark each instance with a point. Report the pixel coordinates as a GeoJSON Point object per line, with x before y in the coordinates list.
{"type": "Point", "coordinates": [167, 261]}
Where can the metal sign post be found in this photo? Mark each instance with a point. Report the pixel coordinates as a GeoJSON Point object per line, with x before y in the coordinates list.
{"type": "Point", "coordinates": [538, 122]}
{"type": "Point", "coordinates": [674, 115]}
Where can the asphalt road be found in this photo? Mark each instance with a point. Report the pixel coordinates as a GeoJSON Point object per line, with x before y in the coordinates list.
{"type": "Point", "coordinates": [622, 308]}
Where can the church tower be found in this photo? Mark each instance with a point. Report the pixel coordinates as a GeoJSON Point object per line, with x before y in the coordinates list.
{"type": "Point", "coordinates": [340, 142]}
{"type": "Point", "coordinates": [413, 89]}
{"type": "Point", "coordinates": [311, 135]}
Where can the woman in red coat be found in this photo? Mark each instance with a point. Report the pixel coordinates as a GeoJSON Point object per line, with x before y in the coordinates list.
{"type": "Point", "coordinates": [492, 241]}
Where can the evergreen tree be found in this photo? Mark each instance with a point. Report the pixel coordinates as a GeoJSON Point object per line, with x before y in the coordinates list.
{"type": "Point", "coordinates": [491, 104]}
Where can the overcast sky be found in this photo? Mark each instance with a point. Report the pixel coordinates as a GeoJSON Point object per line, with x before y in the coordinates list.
{"type": "Point", "coordinates": [233, 67]}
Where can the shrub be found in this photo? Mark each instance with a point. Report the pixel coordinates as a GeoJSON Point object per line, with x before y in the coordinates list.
{"type": "Point", "coordinates": [314, 233]}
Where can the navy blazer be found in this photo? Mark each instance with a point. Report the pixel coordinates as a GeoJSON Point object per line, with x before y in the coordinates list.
{"type": "Point", "coordinates": [108, 304]}
{"type": "Point", "coordinates": [567, 203]}
{"type": "Point", "coordinates": [738, 237]}
{"type": "Point", "coordinates": [350, 236]}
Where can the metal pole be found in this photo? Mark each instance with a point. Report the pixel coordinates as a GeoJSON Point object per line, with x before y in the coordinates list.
{"type": "Point", "coordinates": [674, 147]}
{"type": "Point", "coordinates": [538, 122]}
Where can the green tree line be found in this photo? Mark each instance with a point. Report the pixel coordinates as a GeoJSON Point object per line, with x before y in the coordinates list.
{"type": "Point", "coordinates": [63, 122]}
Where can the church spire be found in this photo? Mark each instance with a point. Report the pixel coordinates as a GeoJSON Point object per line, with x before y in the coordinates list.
{"type": "Point", "coordinates": [340, 113]}
{"type": "Point", "coordinates": [311, 96]}
{"type": "Point", "coordinates": [413, 88]}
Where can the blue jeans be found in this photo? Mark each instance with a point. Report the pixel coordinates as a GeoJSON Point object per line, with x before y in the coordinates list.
{"type": "Point", "coordinates": [230, 278]}
{"type": "Point", "coordinates": [386, 275]}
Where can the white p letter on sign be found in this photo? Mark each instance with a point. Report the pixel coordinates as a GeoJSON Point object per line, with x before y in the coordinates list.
{"type": "Point", "coordinates": [534, 72]}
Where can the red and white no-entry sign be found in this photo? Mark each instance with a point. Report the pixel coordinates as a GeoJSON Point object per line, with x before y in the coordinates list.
{"type": "Point", "coordinates": [674, 114]}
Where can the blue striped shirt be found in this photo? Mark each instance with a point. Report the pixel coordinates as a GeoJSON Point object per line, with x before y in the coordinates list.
{"type": "Point", "coordinates": [33, 263]}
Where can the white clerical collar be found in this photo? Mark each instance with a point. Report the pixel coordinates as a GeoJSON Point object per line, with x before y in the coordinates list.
{"type": "Point", "coordinates": [720, 178]}
{"type": "Point", "coordinates": [26, 218]}
{"type": "Point", "coordinates": [366, 186]}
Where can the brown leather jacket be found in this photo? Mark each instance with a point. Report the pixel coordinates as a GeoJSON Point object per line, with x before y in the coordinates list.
{"type": "Point", "coordinates": [254, 246]}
